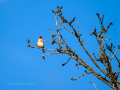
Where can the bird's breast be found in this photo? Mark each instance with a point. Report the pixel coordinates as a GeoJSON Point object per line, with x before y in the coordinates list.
{"type": "Point", "coordinates": [40, 44]}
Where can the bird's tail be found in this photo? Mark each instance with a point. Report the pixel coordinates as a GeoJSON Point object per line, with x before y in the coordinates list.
{"type": "Point", "coordinates": [43, 50]}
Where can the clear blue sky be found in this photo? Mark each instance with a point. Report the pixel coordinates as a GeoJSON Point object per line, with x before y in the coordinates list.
{"type": "Point", "coordinates": [23, 19]}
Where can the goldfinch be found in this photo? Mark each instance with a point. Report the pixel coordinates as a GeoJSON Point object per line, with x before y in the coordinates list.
{"type": "Point", "coordinates": [40, 43]}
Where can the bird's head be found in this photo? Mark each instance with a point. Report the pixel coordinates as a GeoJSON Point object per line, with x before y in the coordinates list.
{"type": "Point", "coordinates": [40, 37]}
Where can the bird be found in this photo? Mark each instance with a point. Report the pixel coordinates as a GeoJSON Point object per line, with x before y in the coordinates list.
{"type": "Point", "coordinates": [40, 43]}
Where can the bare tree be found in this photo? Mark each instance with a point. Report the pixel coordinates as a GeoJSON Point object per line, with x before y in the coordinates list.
{"type": "Point", "coordinates": [109, 77]}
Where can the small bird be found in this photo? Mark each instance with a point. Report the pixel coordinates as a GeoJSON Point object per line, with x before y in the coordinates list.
{"type": "Point", "coordinates": [40, 43]}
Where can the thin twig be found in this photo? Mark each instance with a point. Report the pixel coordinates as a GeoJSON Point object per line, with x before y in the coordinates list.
{"type": "Point", "coordinates": [103, 40]}
{"type": "Point", "coordinates": [47, 41]}
{"type": "Point", "coordinates": [57, 26]}
{"type": "Point", "coordinates": [80, 76]}
{"type": "Point", "coordinates": [66, 62]}
{"type": "Point", "coordinates": [78, 27]}
{"type": "Point", "coordinates": [94, 85]}
{"type": "Point", "coordinates": [50, 54]}
{"type": "Point", "coordinates": [113, 55]}
{"type": "Point", "coordinates": [108, 39]}
{"type": "Point", "coordinates": [66, 28]}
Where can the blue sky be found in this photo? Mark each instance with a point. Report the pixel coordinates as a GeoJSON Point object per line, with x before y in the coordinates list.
{"type": "Point", "coordinates": [23, 19]}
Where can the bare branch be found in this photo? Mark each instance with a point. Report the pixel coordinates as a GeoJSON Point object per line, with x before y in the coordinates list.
{"type": "Point", "coordinates": [113, 55]}
{"type": "Point", "coordinates": [94, 85]}
{"type": "Point", "coordinates": [66, 62]}
{"type": "Point", "coordinates": [78, 27]}
{"type": "Point", "coordinates": [47, 41]}
{"type": "Point", "coordinates": [50, 54]}
{"type": "Point", "coordinates": [57, 26]}
{"type": "Point", "coordinates": [66, 28]}
{"type": "Point", "coordinates": [108, 39]}
{"type": "Point", "coordinates": [80, 76]}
